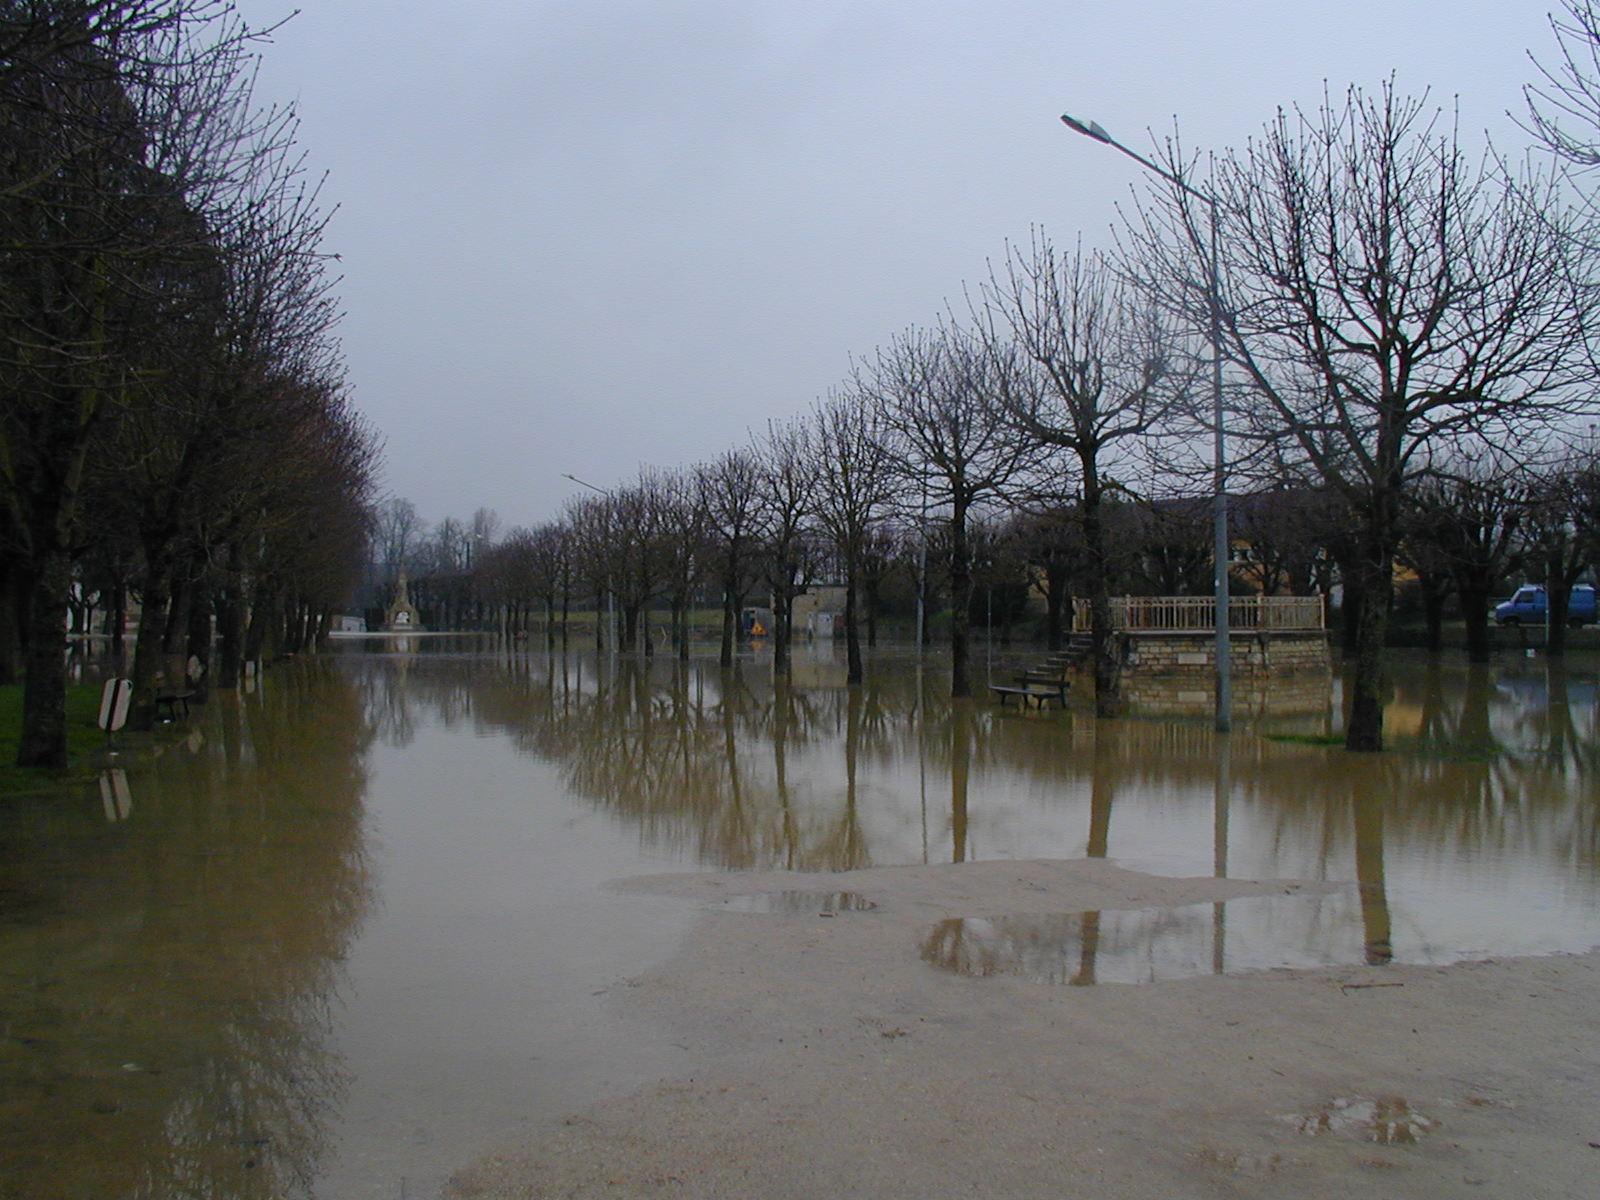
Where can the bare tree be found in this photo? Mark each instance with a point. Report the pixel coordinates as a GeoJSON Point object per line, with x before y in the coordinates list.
{"type": "Point", "coordinates": [789, 469]}
{"type": "Point", "coordinates": [1564, 105]}
{"type": "Point", "coordinates": [551, 565]}
{"type": "Point", "coordinates": [730, 489]}
{"type": "Point", "coordinates": [686, 552]}
{"type": "Point", "coordinates": [855, 486]}
{"type": "Point", "coordinates": [1085, 365]}
{"type": "Point", "coordinates": [940, 395]}
{"type": "Point", "coordinates": [1464, 520]}
{"type": "Point", "coordinates": [509, 571]}
{"type": "Point", "coordinates": [396, 531]}
{"type": "Point", "coordinates": [1383, 297]}
{"type": "Point", "coordinates": [1051, 539]}
{"type": "Point", "coordinates": [156, 231]}
{"type": "Point", "coordinates": [641, 532]}
{"type": "Point", "coordinates": [1561, 532]}
{"type": "Point", "coordinates": [1284, 532]}
{"type": "Point", "coordinates": [591, 524]}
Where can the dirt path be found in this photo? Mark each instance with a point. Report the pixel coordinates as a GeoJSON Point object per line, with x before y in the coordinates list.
{"type": "Point", "coordinates": [834, 1061]}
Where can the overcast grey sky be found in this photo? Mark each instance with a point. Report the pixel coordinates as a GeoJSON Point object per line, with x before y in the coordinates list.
{"type": "Point", "coordinates": [583, 235]}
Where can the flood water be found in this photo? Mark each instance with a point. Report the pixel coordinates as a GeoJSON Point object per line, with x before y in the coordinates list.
{"type": "Point", "coordinates": [353, 929]}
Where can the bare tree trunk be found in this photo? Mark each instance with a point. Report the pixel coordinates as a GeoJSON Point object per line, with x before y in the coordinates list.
{"type": "Point", "coordinates": [117, 621]}
{"type": "Point", "coordinates": [852, 632]}
{"type": "Point", "coordinates": [1350, 606]}
{"type": "Point", "coordinates": [176, 633]}
{"type": "Point", "coordinates": [44, 685]}
{"type": "Point", "coordinates": [780, 641]}
{"type": "Point", "coordinates": [263, 618]}
{"type": "Point", "coordinates": [960, 601]}
{"type": "Point", "coordinates": [1107, 667]}
{"type": "Point", "coordinates": [1558, 595]}
{"type": "Point", "coordinates": [11, 586]}
{"type": "Point", "coordinates": [1433, 598]}
{"type": "Point", "coordinates": [1475, 611]}
{"type": "Point", "coordinates": [199, 638]}
{"type": "Point", "coordinates": [230, 620]}
{"type": "Point", "coordinates": [230, 636]}
{"type": "Point", "coordinates": [1365, 731]}
{"type": "Point", "coordinates": [147, 650]}
{"type": "Point", "coordinates": [729, 617]}
{"type": "Point", "coordinates": [1054, 587]}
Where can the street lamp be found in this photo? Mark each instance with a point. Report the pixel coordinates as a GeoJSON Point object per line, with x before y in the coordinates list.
{"type": "Point", "coordinates": [611, 595]}
{"type": "Point", "coordinates": [1224, 698]}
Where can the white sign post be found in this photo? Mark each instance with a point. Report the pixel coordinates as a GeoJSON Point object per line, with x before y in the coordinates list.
{"type": "Point", "coordinates": [114, 698]}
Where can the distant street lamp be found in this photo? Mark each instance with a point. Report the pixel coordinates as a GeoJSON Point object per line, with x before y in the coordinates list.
{"type": "Point", "coordinates": [611, 595]}
{"type": "Point", "coordinates": [1224, 698]}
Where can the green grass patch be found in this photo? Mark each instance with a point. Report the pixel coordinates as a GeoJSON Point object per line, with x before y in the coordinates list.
{"type": "Point", "coordinates": [83, 738]}
{"type": "Point", "coordinates": [1306, 739]}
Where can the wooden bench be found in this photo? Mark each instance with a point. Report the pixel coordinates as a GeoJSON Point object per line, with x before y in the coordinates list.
{"type": "Point", "coordinates": [1039, 693]}
{"type": "Point", "coordinates": [169, 702]}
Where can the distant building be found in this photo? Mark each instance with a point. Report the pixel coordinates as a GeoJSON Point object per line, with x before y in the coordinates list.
{"type": "Point", "coordinates": [819, 611]}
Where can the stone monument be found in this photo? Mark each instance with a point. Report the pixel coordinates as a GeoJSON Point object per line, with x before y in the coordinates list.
{"type": "Point", "coordinates": [402, 618]}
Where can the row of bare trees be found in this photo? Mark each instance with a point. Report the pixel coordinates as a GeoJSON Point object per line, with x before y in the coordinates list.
{"type": "Point", "coordinates": [174, 420]}
{"type": "Point", "coordinates": [1406, 331]}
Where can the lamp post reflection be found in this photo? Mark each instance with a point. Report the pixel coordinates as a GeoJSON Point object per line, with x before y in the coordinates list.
{"type": "Point", "coordinates": [1219, 852]}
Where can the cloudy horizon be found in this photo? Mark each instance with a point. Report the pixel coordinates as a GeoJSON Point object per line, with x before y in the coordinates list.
{"type": "Point", "coordinates": [579, 238]}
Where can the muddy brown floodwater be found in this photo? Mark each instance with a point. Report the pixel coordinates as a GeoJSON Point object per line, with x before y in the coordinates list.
{"type": "Point", "coordinates": [356, 928]}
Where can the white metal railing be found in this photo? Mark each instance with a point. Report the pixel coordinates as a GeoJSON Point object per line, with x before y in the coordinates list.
{"type": "Point", "coordinates": [1175, 614]}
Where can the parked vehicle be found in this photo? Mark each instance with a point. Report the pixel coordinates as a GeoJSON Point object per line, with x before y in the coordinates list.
{"type": "Point", "coordinates": [1529, 605]}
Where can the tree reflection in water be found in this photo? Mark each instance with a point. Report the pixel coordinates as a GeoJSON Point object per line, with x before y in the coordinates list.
{"type": "Point", "coordinates": [734, 769]}
{"type": "Point", "coordinates": [166, 981]}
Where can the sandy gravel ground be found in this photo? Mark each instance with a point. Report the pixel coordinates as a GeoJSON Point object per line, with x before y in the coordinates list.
{"type": "Point", "coordinates": [833, 1061]}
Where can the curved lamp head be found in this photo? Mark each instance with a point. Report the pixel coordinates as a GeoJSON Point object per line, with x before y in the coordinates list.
{"type": "Point", "coordinates": [1091, 129]}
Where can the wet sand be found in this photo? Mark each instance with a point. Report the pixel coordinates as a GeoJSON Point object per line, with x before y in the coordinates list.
{"type": "Point", "coordinates": [831, 1059]}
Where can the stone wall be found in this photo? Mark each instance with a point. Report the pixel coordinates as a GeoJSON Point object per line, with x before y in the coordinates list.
{"type": "Point", "coordinates": [1252, 654]}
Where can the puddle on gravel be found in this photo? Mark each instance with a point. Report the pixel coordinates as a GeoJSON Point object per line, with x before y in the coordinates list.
{"type": "Point", "coordinates": [1150, 945]}
{"type": "Point", "coordinates": [1387, 1120]}
{"type": "Point", "coordinates": [799, 904]}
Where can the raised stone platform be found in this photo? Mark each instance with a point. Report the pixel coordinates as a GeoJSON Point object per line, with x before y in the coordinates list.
{"type": "Point", "coordinates": [1252, 653]}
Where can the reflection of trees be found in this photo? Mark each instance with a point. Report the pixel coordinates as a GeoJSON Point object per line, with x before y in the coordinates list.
{"type": "Point", "coordinates": [169, 1021]}
{"type": "Point", "coordinates": [675, 748]}
{"type": "Point", "coordinates": [1498, 767]}
{"type": "Point", "coordinates": [841, 841]}
{"type": "Point", "coordinates": [1376, 933]}
{"type": "Point", "coordinates": [1064, 948]}
{"type": "Point", "coordinates": [736, 770]}
{"type": "Point", "coordinates": [960, 769]}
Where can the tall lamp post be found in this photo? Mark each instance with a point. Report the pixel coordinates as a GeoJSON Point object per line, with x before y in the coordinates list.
{"type": "Point", "coordinates": [1224, 697]}
{"type": "Point", "coordinates": [611, 595]}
